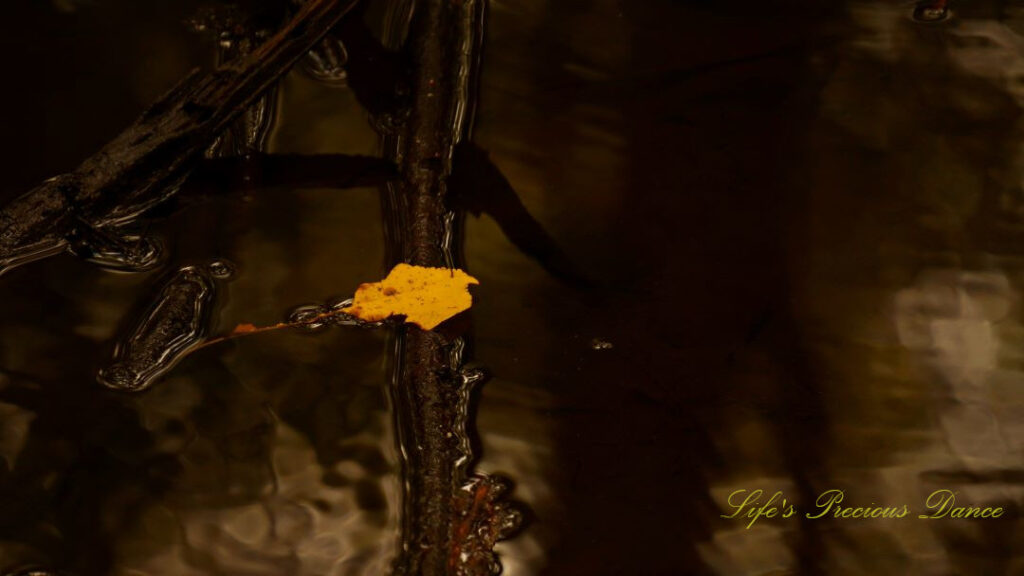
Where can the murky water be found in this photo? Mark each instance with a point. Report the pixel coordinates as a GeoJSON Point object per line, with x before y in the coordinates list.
{"type": "Point", "coordinates": [795, 239]}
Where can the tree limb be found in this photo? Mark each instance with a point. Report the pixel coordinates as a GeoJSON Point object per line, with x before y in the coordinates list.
{"type": "Point", "coordinates": [144, 164]}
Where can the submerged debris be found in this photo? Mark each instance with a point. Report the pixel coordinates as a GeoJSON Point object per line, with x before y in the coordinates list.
{"type": "Point", "coordinates": [483, 518]}
{"type": "Point", "coordinates": [309, 317]}
{"type": "Point", "coordinates": [176, 323]}
{"type": "Point", "coordinates": [110, 249]}
{"type": "Point", "coordinates": [221, 269]}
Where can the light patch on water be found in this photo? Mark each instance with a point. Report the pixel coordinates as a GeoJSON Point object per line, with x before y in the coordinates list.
{"type": "Point", "coordinates": [14, 428]}
{"type": "Point", "coordinates": [759, 551]}
{"type": "Point", "coordinates": [948, 319]}
{"type": "Point", "coordinates": [992, 50]}
{"type": "Point", "coordinates": [880, 23]}
{"type": "Point", "coordinates": [301, 527]}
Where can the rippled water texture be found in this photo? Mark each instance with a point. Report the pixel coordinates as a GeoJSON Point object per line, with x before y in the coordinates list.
{"type": "Point", "coordinates": [803, 223]}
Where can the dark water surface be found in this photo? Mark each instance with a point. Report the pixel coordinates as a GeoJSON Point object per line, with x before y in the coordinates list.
{"type": "Point", "coordinates": [805, 221]}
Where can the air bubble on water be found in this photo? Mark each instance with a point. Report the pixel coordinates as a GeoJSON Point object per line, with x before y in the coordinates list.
{"type": "Point", "coordinates": [339, 318]}
{"type": "Point", "coordinates": [221, 269]}
{"type": "Point", "coordinates": [931, 12]}
{"type": "Point", "coordinates": [326, 61]}
{"type": "Point", "coordinates": [500, 486]}
{"type": "Point", "coordinates": [335, 304]}
{"type": "Point", "coordinates": [308, 317]}
{"type": "Point", "coordinates": [472, 376]}
{"type": "Point", "coordinates": [509, 520]}
{"type": "Point", "coordinates": [121, 253]}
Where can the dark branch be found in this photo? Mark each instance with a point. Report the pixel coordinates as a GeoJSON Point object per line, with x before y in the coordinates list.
{"type": "Point", "coordinates": [478, 186]}
{"type": "Point", "coordinates": [145, 163]}
{"type": "Point", "coordinates": [219, 175]}
{"type": "Point", "coordinates": [378, 77]}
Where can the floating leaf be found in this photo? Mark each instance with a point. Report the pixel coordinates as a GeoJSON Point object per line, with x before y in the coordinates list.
{"type": "Point", "coordinates": [425, 296]}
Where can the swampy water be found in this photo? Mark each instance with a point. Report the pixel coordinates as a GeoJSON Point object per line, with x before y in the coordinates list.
{"type": "Point", "coordinates": [804, 222]}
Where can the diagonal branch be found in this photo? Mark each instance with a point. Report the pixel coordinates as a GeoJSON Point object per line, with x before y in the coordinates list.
{"type": "Point", "coordinates": [144, 164]}
{"type": "Point", "coordinates": [478, 186]}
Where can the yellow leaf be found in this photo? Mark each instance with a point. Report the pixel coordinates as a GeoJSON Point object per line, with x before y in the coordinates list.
{"type": "Point", "coordinates": [425, 296]}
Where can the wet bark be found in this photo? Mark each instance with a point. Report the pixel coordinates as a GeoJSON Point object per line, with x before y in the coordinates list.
{"type": "Point", "coordinates": [429, 383]}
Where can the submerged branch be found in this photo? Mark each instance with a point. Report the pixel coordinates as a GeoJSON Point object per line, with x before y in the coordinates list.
{"type": "Point", "coordinates": [144, 164]}
{"type": "Point", "coordinates": [219, 175]}
{"type": "Point", "coordinates": [478, 186]}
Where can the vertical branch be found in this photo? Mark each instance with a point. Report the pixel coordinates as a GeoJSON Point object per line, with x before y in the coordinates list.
{"type": "Point", "coordinates": [430, 386]}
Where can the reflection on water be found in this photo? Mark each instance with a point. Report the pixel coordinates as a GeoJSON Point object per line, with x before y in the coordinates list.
{"type": "Point", "coordinates": [908, 298]}
{"type": "Point", "coordinates": [805, 222]}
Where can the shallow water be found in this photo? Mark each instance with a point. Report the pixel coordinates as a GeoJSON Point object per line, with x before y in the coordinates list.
{"type": "Point", "coordinates": [805, 228]}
